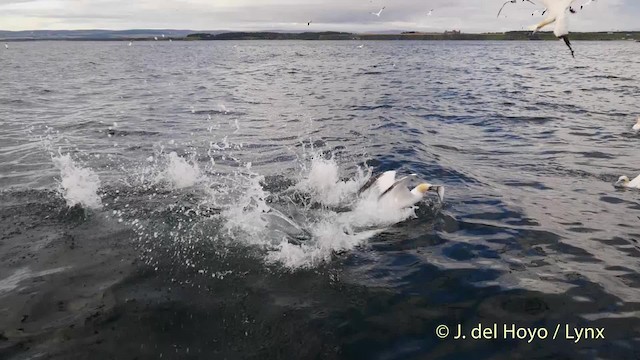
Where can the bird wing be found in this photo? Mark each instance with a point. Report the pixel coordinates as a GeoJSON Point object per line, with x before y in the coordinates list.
{"type": "Point", "coordinates": [635, 183]}
{"type": "Point", "coordinates": [372, 180]}
{"type": "Point", "coordinates": [557, 7]}
{"type": "Point", "coordinates": [386, 181]}
{"type": "Point", "coordinates": [399, 193]}
{"type": "Point", "coordinates": [503, 5]}
{"type": "Point", "coordinates": [383, 181]}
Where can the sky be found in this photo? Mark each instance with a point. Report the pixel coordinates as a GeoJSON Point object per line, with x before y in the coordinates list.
{"type": "Point", "coordinates": [293, 15]}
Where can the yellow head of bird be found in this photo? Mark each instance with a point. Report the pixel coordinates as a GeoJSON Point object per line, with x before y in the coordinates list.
{"type": "Point", "coordinates": [423, 188]}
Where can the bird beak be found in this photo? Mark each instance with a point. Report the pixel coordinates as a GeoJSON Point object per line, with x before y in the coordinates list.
{"type": "Point", "coordinates": [439, 189]}
{"type": "Point", "coordinates": [619, 183]}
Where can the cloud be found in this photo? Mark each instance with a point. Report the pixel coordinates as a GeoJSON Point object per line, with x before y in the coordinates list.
{"type": "Point", "coordinates": [347, 15]}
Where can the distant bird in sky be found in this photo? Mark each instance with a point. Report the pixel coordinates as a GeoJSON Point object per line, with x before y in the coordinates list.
{"type": "Point", "coordinates": [511, 2]}
{"type": "Point", "coordinates": [430, 12]}
{"type": "Point", "coordinates": [557, 12]}
{"type": "Point", "coordinates": [379, 12]}
{"type": "Point", "coordinates": [309, 23]}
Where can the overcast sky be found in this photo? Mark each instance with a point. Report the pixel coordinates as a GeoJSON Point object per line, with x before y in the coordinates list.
{"type": "Point", "coordinates": [341, 15]}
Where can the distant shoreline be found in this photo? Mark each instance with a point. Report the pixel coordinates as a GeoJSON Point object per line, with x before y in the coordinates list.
{"type": "Point", "coordinates": [155, 35]}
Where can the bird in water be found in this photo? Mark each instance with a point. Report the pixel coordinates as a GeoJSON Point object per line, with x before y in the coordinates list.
{"type": "Point", "coordinates": [395, 193]}
{"type": "Point", "coordinates": [636, 127]}
{"type": "Point", "coordinates": [624, 181]}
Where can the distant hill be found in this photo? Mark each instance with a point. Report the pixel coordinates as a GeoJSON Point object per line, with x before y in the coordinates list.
{"type": "Point", "coordinates": [412, 35]}
{"type": "Point", "coordinates": [326, 35]}
{"type": "Point", "coordinates": [95, 34]}
{"type": "Point", "coordinates": [149, 34]}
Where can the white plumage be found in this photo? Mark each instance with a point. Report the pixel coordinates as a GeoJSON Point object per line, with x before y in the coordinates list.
{"type": "Point", "coordinates": [636, 127]}
{"type": "Point", "coordinates": [624, 181]}
{"type": "Point", "coordinates": [557, 13]}
{"type": "Point", "coordinates": [395, 193]}
{"type": "Point", "coordinates": [379, 12]}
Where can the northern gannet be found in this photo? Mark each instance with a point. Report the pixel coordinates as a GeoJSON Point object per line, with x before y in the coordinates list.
{"type": "Point", "coordinates": [430, 12]}
{"type": "Point", "coordinates": [624, 181]}
{"type": "Point", "coordinates": [557, 12]}
{"type": "Point", "coordinates": [636, 127]}
{"type": "Point", "coordinates": [379, 12]}
{"type": "Point", "coordinates": [395, 192]}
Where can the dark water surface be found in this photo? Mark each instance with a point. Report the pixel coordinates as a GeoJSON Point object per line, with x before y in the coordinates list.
{"type": "Point", "coordinates": [193, 142]}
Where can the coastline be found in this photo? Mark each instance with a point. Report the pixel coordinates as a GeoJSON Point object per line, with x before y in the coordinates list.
{"type": "Point", "coordinates": [317, 36]}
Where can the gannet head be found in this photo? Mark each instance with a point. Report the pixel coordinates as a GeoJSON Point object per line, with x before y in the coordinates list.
{"type": "Point", "coordinates": [422, 189]}
{"type": "Point", "coordinates": [622, 181]}
{"type": "Point", "coordinates": [636, 127]}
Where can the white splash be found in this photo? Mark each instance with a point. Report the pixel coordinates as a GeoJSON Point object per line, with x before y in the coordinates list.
{"type": "Point", "coordinates": [180, 172]}
{"type": "Point", "coordinates": [329, 230]}
{"type": "Point", "coordinates": [78, 185]}
{"type": "Point", "coordinates": [323, 182]}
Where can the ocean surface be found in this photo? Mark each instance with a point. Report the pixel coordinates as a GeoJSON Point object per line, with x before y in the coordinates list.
{"type": "Point", "coordinates": [197, 200]}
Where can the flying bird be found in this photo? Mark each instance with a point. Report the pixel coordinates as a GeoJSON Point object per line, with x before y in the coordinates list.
{"type": "Point", "coordinates": [309, 23]}
{"type": "Point", "coordinates": [624, 181]}
{"type": "Point", "coordinates": [379, 12]}
{"type": "Point", "coordinates": [395, 193]}
{"type": "Point", "coordinates": [510, 2]}
{"type": "Point", "coordinates": [430, 12]}
{"type": "Point", "coordinates": [557, 12]}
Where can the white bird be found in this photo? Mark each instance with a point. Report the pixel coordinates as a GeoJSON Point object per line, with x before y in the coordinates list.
{"type": "Point", "coordinates": [624, 181]}
{"type": "Point", "coordinates": [6, 46]}
{"type": "Point", "coordinates": [360, 46]}
{"type": "Point", "coordinates": [636, 127]}
{"type": "Point", "coordinates": [162, 36]}
{"type": "Point", "coordinates": [155, 38]}
{"type": "Point", "coordinates": [379, 12]}
{"type": "Point", "coordinates": [130, 43]}
{"type": "Point", "coordinates": [430, 12]}
{"type": "Point", "coordinates": [395, 193]}
{"type": "Point", "coordinates": [557, 12]}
